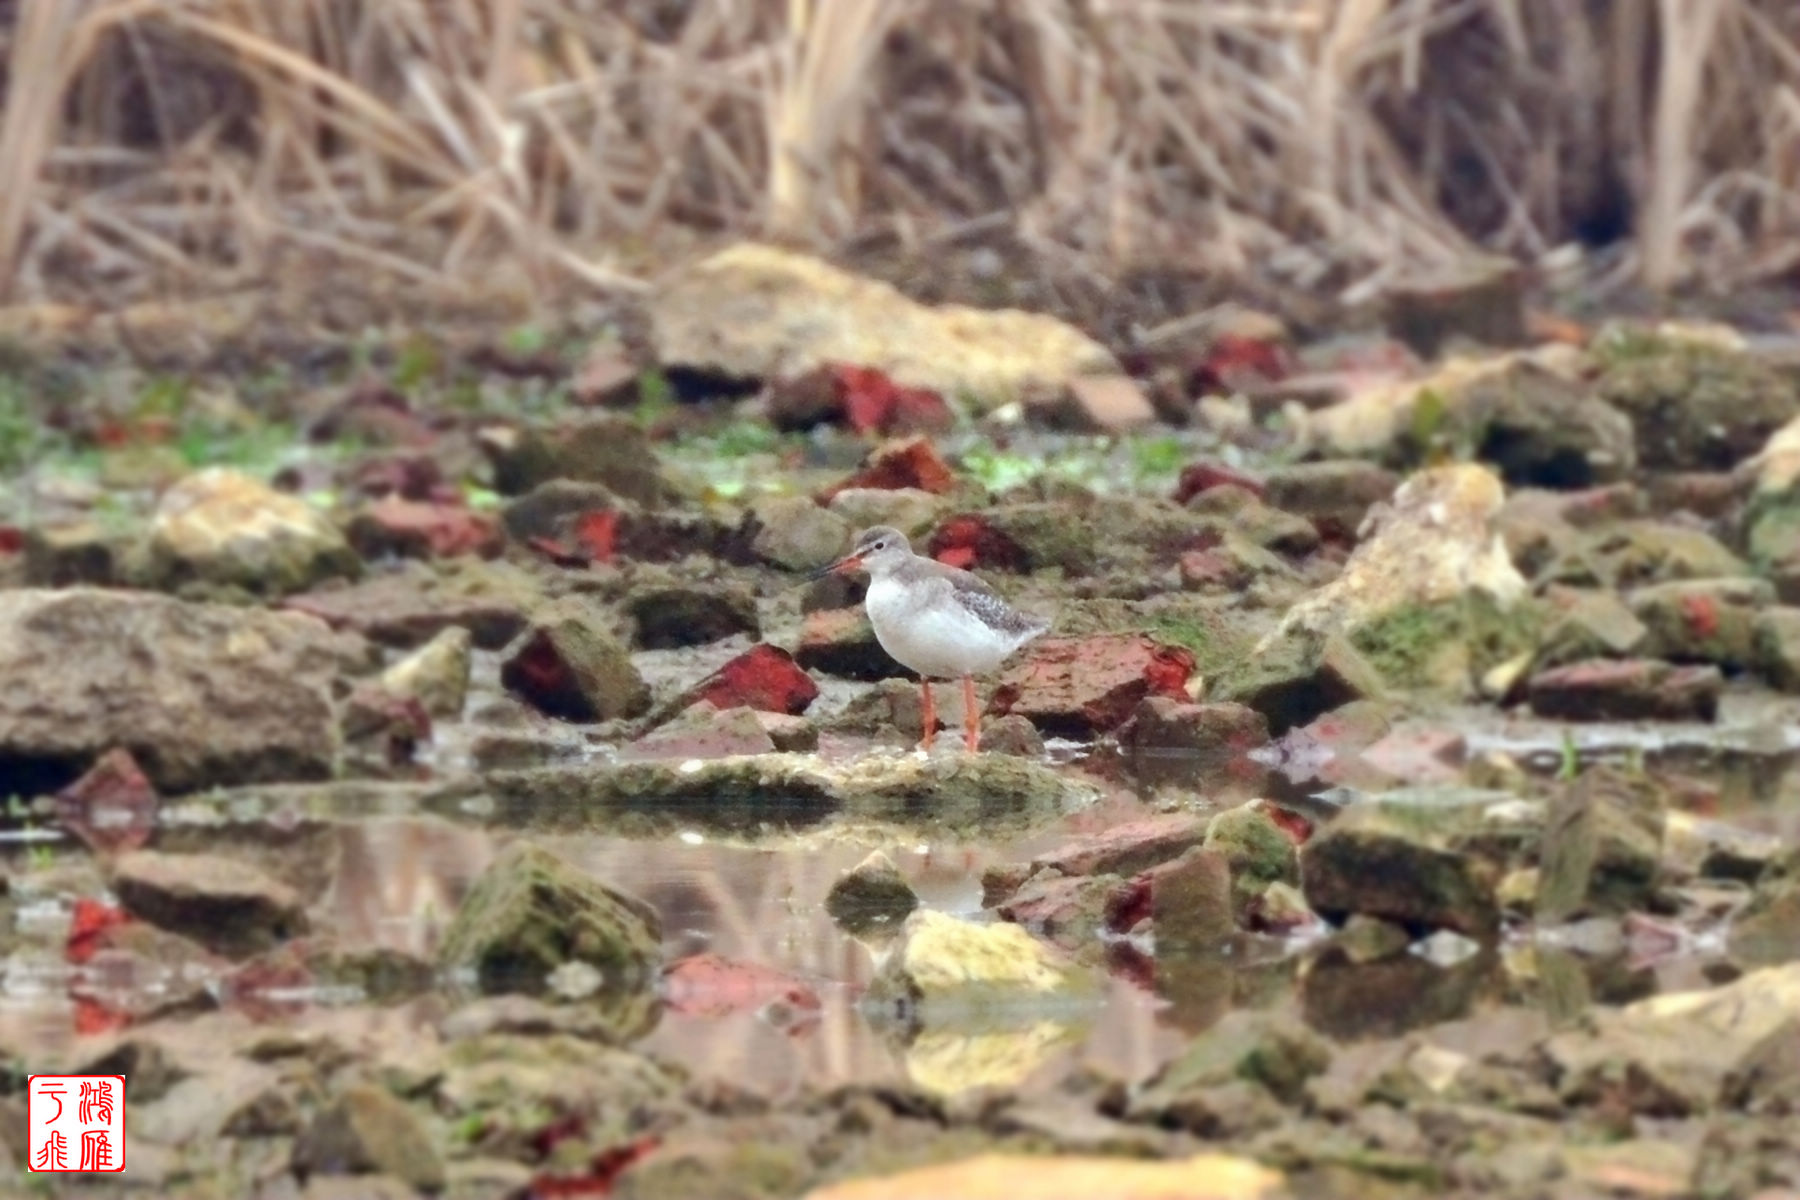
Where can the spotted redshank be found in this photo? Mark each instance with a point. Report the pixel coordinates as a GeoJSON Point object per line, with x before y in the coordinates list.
{"type": "Point", "coordinates": [935, 619]}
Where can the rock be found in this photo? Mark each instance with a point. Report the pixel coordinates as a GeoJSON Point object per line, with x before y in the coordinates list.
{"type": "Point", "coordinates": [1335, 495]}
{"type": "Point", "coordinates": [1481, 300]}
{"type": "Point", "coordinates": [1436, 544]}
{"type": "Point", "coordinates": [1586, 625]}
{"type": "Point", "coordinates": [112, 807]}
{"type": "Point", "coordinates": [941, 963]}
{"type": "Point", "coordinates": [1695, 407]}
{"type": "Point", "coordinates": [1703, 620]}
{"type": "Point", "coordinates": [1125, 849]}
{"type": "Point", "coordinates": [1234, 510]}
{"type": "Point", "coordinates": [757, 312]}
{"type": "Point", "coordinates": [73, 553]}
{"type": "Point", "coordinates": [1078, 687]}
{"type": "Point", "coordinates": [947, 793]}
{"type": "Point", "coordinates": [909, 465]}
{"type": "Point", "coordinates": [913, 511]}
{"type": "Point", "coordinates": [791, 734]}
{"type": "Point", "coordinates": [367, 1131]}
{"type": "Point", "coordinates": [227, 905]}
{"type": "Point", "coordinates": [608, 450]}
{"type": "Point", "coordinates": [1093, 404]}
{"type": "Point", "coordinates": [1072, 913]}
{"type": "Point", "coordinates": [865, 399]}
{"type": "Point", "coordinates": [795, 534]}
{"type": "Point", "coordinates": [1056, 1176]}
{"type": "Point", "coordinates": [568, 666]}
{"type": "Point", "coordinates": [1541, 430]}
{"type": "Point", "coordinates": [1202, 746]}
{"type": "Point", "coordinates": [219, 526]}
{"type": "Point", "coordinates": [1632, 553]}
{"type": "Point", "coordinates": [436, 674]}
{"type": "Point", "coordinates": [530, 913]}
{"type": "Point", "coordinates": [1775, 647]}
{"type": "Point", "coordinates": [1673, 1055]}
{"type": "Point", "coordinates": [1012, 734]}
{"type": "Point", "coordinates": [411, 605]}
{"type": "Point", "coordinates": [765, 678]}
{"type": "Point", "coordinates": [669, 617]}
{"type": "Point", "coordinates": [1202, 477]}
{"type": "Point", "coordinates": [842, 642]}
{"type": "Point", "coordinates": [1529, 412]}
{"type": "Point", "coordinates": [200, 695]}
{"type": "Point", "coordinates": [1276, 1057]}
{"type": "Point", "coordinates": [1635, 689]}
{"type": "Point", "coordinates": [871, 896]}
{"type": "Point", "coordinates": [1767, 930]}
{"type": "Point", "coordinates": [1259, 851]}
{"type": "Point", "coordinates": [1404, 860]}
{"type": "Point", "coordinates": [393, 527]}
{"type": "Point", "coordinates": [1019, 537]}
{"type": "Point", "coordinates": [703, 732]}
{"type": "Point", "coordinates": [1602, 847]}
{"type": "Point", "coordinates": [1188, 902]}
{"type": "Point", "coordinates": [1300, 679]}
{"type": "Point", "coordinates": [1696, 847]}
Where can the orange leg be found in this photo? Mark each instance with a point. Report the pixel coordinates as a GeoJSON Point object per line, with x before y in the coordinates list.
{"type": "Point", "coordinates": [928, 713]}
{"type": "Point", "coordinates": [971, 716]}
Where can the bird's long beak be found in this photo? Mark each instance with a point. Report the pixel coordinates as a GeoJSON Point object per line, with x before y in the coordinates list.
{"type": "Point", "coordinates": [842, 566]}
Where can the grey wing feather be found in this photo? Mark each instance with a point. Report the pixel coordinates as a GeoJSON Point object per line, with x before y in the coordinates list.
{"type": "Point", "coordinates": [985, 604]}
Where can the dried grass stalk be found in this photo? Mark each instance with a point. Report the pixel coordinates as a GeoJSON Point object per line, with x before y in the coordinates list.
{"type": "Point", "coordinates": [1328, 142]}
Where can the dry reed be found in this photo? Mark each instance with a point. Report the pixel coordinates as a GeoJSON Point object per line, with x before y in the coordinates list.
{"type": "Point", "coordinates": [191, 144]}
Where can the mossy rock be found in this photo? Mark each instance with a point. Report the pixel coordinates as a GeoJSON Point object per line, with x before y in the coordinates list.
{"type": "Point", "coordinates": [1297, 677]}
{"type": "Point", "coordinates": [530, 913]}
{"type": "Point", "coordinates": [1694, 406]}
{"type": "Point", "coordinates": [1447, 647]}
{"type": "Point", "coordinates": [752, 794]}
{"type": "Point", "coordinates": [1220, 639]}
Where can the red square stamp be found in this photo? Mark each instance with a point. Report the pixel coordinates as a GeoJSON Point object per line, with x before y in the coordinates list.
{"type": "Point", "coordinates": [77, 1122]}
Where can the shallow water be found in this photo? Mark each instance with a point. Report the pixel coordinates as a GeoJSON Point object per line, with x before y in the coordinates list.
{"type": "Point", "coordinates": [393, 879]}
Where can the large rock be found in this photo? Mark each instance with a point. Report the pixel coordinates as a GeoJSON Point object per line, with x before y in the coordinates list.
{"type": "Point", "coordinates": [943, 962]}
{"type": "Point", "coordinates": [1302, 677]}
{"type": "Point", "coordinates": [226, 905]}
{"type": "Point", "coordinates": [200, 694]}
{"type": "Point", "coordinates": [530, 913]}
{"type": "Point", "coordinates": [219, 526]}
{"type": "Point", "coordinates": [1078, 687]}
{"type": "Point", "coordinates": [1527, 413]}
{"type": "Point", "coordinates": [1405, 857]}
{"type": "Point", "coordinates": [796, 534]}
{"type": "Point", "coordinates": [1695, 406]}
{"type": "Point", "coordinates": [1602, 847]}
{"type": "Point", "coordinates": [1633, 689]}
{"type": "Point", "coordinates": [611, 451]}
{"type": "Point", "coordinates": [1703, 620]}
{"type": "Point", "coordinates": [369, 1131]}
{"type": "Point", "coordinates": [758, 312]}
{"type": "Point", "coordinates": [1202, 746]}
{"type": "Point", "coordinates": [670, 615]}
{"type": "Point", "coordinates": [412, 604]}
{"type": "Point", "coordinates": [569, 666]}
{"type": "Point", "coordinates": [1679, 1054]}
{"type": "Point", "coordinates": [1431, 595]}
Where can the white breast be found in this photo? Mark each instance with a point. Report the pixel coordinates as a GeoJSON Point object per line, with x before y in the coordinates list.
{"type": "Point", "coordinates": [927, 631]}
